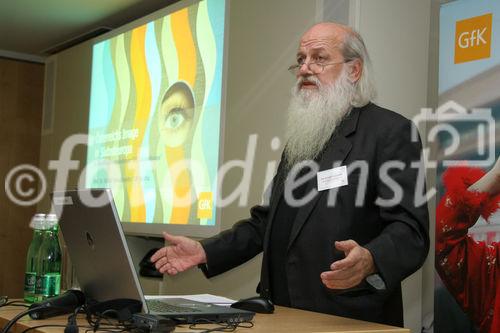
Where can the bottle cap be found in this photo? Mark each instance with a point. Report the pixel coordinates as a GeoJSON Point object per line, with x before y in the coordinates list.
{"type": "Point", "coordinates": [38, 222]}
{"type": "Point", "coordinates": [51, 220]}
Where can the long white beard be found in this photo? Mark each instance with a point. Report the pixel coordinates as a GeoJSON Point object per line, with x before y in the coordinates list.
{"type": "Point", "coordinates": [313, 116]}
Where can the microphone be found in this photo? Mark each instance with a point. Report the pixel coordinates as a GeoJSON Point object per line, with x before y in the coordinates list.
{"type": "Point", "coordinates": [55, 306]}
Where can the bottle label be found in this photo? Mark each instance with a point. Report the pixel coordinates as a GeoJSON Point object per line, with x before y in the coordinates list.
{"type": "Point", "coordinates": [48, 285]}
{"type": "Point", "coordinates": [29, 282]}
{"type": "Point", "coordinates": [39, 290]}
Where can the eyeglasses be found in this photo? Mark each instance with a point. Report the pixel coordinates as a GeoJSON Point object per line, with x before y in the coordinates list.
{"type": "Point", "coordinates": [315, 67]}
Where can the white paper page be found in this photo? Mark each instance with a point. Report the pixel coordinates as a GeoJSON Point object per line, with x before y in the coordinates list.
{"type": "Point", "coordinates": [205, 298]}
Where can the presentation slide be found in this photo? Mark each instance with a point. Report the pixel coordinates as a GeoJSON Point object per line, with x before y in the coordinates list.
{"type": "Point", "coordinates": [155, 117]}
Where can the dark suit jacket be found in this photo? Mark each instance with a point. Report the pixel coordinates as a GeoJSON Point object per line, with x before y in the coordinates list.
{"type": "Point", "coordinates": [396, 235]}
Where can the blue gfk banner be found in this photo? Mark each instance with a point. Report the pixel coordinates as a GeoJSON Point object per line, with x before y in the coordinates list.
{"type": "Point", "coordinates": [467, 292]}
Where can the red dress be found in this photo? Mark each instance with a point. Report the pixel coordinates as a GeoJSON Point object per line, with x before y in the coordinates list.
{"type": "Point", "coordinates": [469, 269]}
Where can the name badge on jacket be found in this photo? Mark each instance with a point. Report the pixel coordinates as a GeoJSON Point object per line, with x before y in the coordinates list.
{"type": "Point", "coordinates": [332, 178]}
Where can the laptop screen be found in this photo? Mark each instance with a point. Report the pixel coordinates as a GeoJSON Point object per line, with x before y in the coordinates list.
{"type": "Point", "coordinates": [96, 244]}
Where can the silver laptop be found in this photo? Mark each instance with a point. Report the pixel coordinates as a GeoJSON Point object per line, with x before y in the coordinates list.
{"type": "Point", "coordinates": [97, 247]}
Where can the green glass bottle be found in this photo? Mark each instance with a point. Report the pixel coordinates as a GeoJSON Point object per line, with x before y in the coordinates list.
{"type": "Point", "coordinates": [48, 280]}
{"type": "Point", "coordinates": [37, 224]}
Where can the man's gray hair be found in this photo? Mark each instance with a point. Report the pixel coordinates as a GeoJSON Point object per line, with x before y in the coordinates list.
{"type": "Point", "coordinates": [354, 48]}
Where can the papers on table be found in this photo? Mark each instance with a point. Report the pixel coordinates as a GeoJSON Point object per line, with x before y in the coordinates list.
{"type": "Point", "coordinates": [205, 298]}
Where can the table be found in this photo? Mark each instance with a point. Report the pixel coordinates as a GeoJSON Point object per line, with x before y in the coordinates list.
{"type": "Point", "coordinates": [283, 320]}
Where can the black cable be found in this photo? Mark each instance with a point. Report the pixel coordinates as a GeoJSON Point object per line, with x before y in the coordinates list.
{"type": "Point", "coordinates": [4, 301]}
{"type": "Point", "coordinates": [95, 322]}
{"type": "Point", "coordinates": [16, 318]}
{"type": "Point", "coordinates": [215, 329]}
{"type": "Point", "coordinates": [107, 326]}
{"type": "Point", "coordinates": [40, 326]}
{"type": "Point", "coordinates": [249, 324]}
{"type": "Point", "coordinates": [223, 326]}
{"type": "Point", "coordinates": [111, 328]}
{"type": "Point", "coordinates": [54, 325]}
{"type": "Point", "coordinates": [72, 326]}
{"type": "Point", "coordinates": [16, 303]}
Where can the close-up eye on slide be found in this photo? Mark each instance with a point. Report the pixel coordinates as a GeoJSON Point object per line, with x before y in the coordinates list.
{"type": "Point", "coordinates": [176, 114]}
{"type": "Point", "coordinates": [175, 118]}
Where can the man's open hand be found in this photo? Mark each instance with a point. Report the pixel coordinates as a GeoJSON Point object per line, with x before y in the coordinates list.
{"type": "Point", "coordinates": [181, 254]}
{"type": "Point", "coordinates": [350, 271]}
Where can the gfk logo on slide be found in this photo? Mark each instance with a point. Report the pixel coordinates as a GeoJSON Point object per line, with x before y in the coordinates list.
{"type": "Point", "coordinates": [205, 205]}
{"type": "Point", "coordinates": [473, 38]}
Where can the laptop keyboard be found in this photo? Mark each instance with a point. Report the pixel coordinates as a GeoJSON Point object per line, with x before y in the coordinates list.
{"type": "Point", "coordinates": [163, 307]}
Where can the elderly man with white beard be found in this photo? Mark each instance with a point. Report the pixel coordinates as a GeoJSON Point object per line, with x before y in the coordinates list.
{"type": "Point", "coordinates": [326, 250]}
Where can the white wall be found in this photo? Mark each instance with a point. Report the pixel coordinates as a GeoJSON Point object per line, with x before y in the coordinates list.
{"type": "Point", "coordinates": [396, 33]}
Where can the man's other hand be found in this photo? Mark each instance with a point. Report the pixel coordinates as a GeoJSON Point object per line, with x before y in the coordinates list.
{"type": "Point", "coordinates": [350, 271]}
{"type": "Point", "coordinates": [181, 254]}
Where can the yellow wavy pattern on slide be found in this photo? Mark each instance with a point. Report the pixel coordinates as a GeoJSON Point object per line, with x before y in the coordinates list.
{"type": "Point", "coordinates": [182, 186]}
{"type": "Point", "coordinates": [184, 43]}
{"type": "Point", "coordinates": [207, 58]}
{"type": "Point", "coordinates": [143, 103]}
{"type": "Point", "coordinates": [123, 92]}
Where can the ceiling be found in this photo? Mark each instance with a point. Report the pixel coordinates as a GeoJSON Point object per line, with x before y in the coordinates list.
{"type": "Point", "coordinates": [35, 28]}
